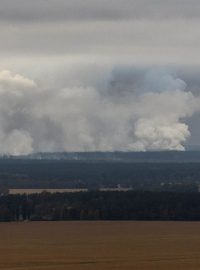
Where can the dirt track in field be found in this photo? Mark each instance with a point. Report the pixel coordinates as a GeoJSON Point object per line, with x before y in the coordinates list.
{"type": "Point", "coordinates": [100, 245]}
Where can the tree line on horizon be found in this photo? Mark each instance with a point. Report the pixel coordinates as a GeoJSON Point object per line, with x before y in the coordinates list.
{"type": "Point", "coordinates": [95, 205]}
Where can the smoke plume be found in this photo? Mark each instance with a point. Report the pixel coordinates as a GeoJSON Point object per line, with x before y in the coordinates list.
{"type": "Point", "coordinates": [128, 113]}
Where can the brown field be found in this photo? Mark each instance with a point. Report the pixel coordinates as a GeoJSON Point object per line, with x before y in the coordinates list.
{"type": "Point", "coordinates": [100, 245]}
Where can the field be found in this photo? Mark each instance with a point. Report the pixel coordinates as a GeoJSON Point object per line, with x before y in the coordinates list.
{"type": "Point", "coordinates": [100, 245]}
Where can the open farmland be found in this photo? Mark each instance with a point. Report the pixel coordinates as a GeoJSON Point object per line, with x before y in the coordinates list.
{"type": "Point", "coordinates": [100, 245]}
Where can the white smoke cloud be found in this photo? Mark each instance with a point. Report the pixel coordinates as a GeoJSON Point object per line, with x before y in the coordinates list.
{"type": "Point", "coordinates": [16, 142]}
{"type": "Point", "coordinates": [141, 113]}
{"type": "Point", "coordinates": [158, 126]}
{"type": "Point", "coordinates": [12, 82]}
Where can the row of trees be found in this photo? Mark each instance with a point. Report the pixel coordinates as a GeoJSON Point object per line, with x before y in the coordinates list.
{"type": "Point", "coordinates": [101, 206]}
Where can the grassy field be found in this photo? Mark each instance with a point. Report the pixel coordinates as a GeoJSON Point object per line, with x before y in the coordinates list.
{"type": "Point", "coordinates": [100, 245]}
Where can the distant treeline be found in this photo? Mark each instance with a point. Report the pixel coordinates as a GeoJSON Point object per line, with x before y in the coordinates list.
{"type": "Point", "coordinates": [96, 205]}
{"type": "Point", "coordinates": [149, 156]}
{"type": "Point", "coordinates": [98, 174]}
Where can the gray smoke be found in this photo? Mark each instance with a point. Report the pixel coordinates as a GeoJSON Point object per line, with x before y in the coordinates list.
{"type": "Point", "coordinates": [129, 111]}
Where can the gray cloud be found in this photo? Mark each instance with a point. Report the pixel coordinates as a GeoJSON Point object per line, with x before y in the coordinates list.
{"type": "Point", "coordinates": [142, 41]}
{"type": "Point", "coordinates": [138, 31]}
{"type": "Point", "coordinates": [59, 10]}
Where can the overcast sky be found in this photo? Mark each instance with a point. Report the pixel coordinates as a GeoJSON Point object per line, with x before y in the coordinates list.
{"type": "Point", "coordinates": [105, 45]}
{"type": "Point", "coordinates": [140, 30]}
